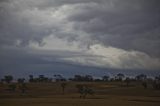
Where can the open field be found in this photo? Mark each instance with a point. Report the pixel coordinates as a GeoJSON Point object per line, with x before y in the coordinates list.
{"type": "Point", "coordinates": [106, 94]}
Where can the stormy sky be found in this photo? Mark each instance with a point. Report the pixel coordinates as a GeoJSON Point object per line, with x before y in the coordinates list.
{"type": "Point", "coordinates": [79, 37]}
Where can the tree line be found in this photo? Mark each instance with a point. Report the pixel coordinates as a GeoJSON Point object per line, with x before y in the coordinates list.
{"type": "Point", "coordinates": [142, 78]}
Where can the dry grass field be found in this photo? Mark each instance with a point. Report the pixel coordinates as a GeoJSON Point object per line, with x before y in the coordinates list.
{"type": "Point", "coordinates": [106, 94]}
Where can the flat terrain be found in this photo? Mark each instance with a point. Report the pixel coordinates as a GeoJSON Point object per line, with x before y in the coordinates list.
{"type": "Point", "coordinates": [106, 94]}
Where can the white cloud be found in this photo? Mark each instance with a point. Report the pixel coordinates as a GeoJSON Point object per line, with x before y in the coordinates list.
{"type": "Point", "coordinates": [53, 43]}
{"type": "Point", "coordinates": [120, 58]}
{"type": "Point", "coordinates": [100, 56]}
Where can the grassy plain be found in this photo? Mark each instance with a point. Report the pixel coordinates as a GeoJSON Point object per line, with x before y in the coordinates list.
{"type": "Point", "coordinates": [106, 94]}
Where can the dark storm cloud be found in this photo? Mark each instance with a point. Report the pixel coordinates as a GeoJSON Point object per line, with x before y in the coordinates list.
{"type": "Point", "coordinates": [22, 62]}
{"type": "Point", "coordinates": [126, 24]}
{"type": "Point", "coordinates": [131, 25]}
{"type": "Point", "coordinates": [16, 56]}
{"type": "Point", "coordinates": [16, 25]}
{"type": "Point", "coordinates": [14, 29]}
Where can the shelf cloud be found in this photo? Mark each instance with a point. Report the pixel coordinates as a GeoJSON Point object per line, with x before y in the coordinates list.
{"type": "Point", "coordinates": [118, 34]}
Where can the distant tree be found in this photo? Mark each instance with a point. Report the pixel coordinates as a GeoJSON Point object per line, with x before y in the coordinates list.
{"type": "Point", "coordinates": [71, 79]}
{"type": "Point", "coordinates": [97, 80]}
{"type": "Point", "coordinates": [144, 84]}
{"type": "Point", "coordinates": [21, 80]}
{"type": "Point", "coordinates": [157, 78]}
{"type": "Point", "coordinates": [59, 78]}
{"type": "Point", "coordinates": [78, 78]}
{"type": "Point", "coordinates": [36, 80]}
{"type": "Point", "coordinates": [8, 78]}
{"type": "Point", "coordinates": [112, 79]}
{"type": "Point", "coordinates": [156, 83]}
{"type": "Point", "coordinates": [88, 78]}
{"type": "Point", "coordinates": [63, 85]}
{"type": "Point", "coordinates": [2, 81]}
{"type": "Point", "coordinates": [105, 78]}
{"type": "Point", "coordinates": [127, 80]}
{"type": "Point", "coordinates": [31, 79]}
{"type": "Point", "coordinates": [119, 77]}
{"type": "Point", "coordinates": [84, 91]}
{"type": "Point", "coordinates": [82, 78]}
{"type": "Point", "coordinates": [41, 78]}
{"type": "Point", "coordinates": [141, 77]}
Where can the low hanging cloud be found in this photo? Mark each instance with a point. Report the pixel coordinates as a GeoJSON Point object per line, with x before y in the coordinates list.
{"type": "Point", "coordinates": [103, 33]}
{"type": "Point", "coordinates": [110, 57]}
{"type": "Point", "coordinates": [96, 56]}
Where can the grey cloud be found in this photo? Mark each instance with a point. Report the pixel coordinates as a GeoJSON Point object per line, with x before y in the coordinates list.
{"type": "Point", "coordinates": [23, 62]}
{"type": "Point", "coordinates": [130, 25]}
{"type": "Point", "coordinates": [126, 24]}
{"type": "Point", "coordinates": [16, 25]}
{"type": "Point", "coordinates": [30, 56]}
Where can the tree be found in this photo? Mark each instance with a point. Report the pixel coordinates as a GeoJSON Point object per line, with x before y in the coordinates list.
{"type": "Point", "coordinates": [21, 80]}
{"type": "Point", "coordinates": [8, 78]}
{"type": "Point", "coordinates": [41, 78]}
{"type": "Point", "coordinates": [97, 80]}
{"type": "Point", "coordinates": [78, 78]}
{"type": "Point", "coordinates": [31, 79]}
{"type": "Point", "coordinates": [2, 81]}
{"type": "Point", "coordinates": [144, 84]}
{"type": "Point", "coordinates": [157, 78]}
{"type": "Point", "coordinates": [105, 78]}
{"type": "Point", "coordinates": [84, 91]}
{"type": "Point", "coordinates": [141, 77]}
{"type": "Point", "coordinates": [119, 77]}
{"type": "Point", "coordinates": [59, 78]}
{"type": "Point", "coordinates": [82, 78]}
{"type": "Point", "coordinates": [127, 80]}
{"type": "Point", "coordinates": [88, 78]}
{"type": "Point", "coordinates": [156, 83]}
{"type": "Point", "coordinates": [63, 85]}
